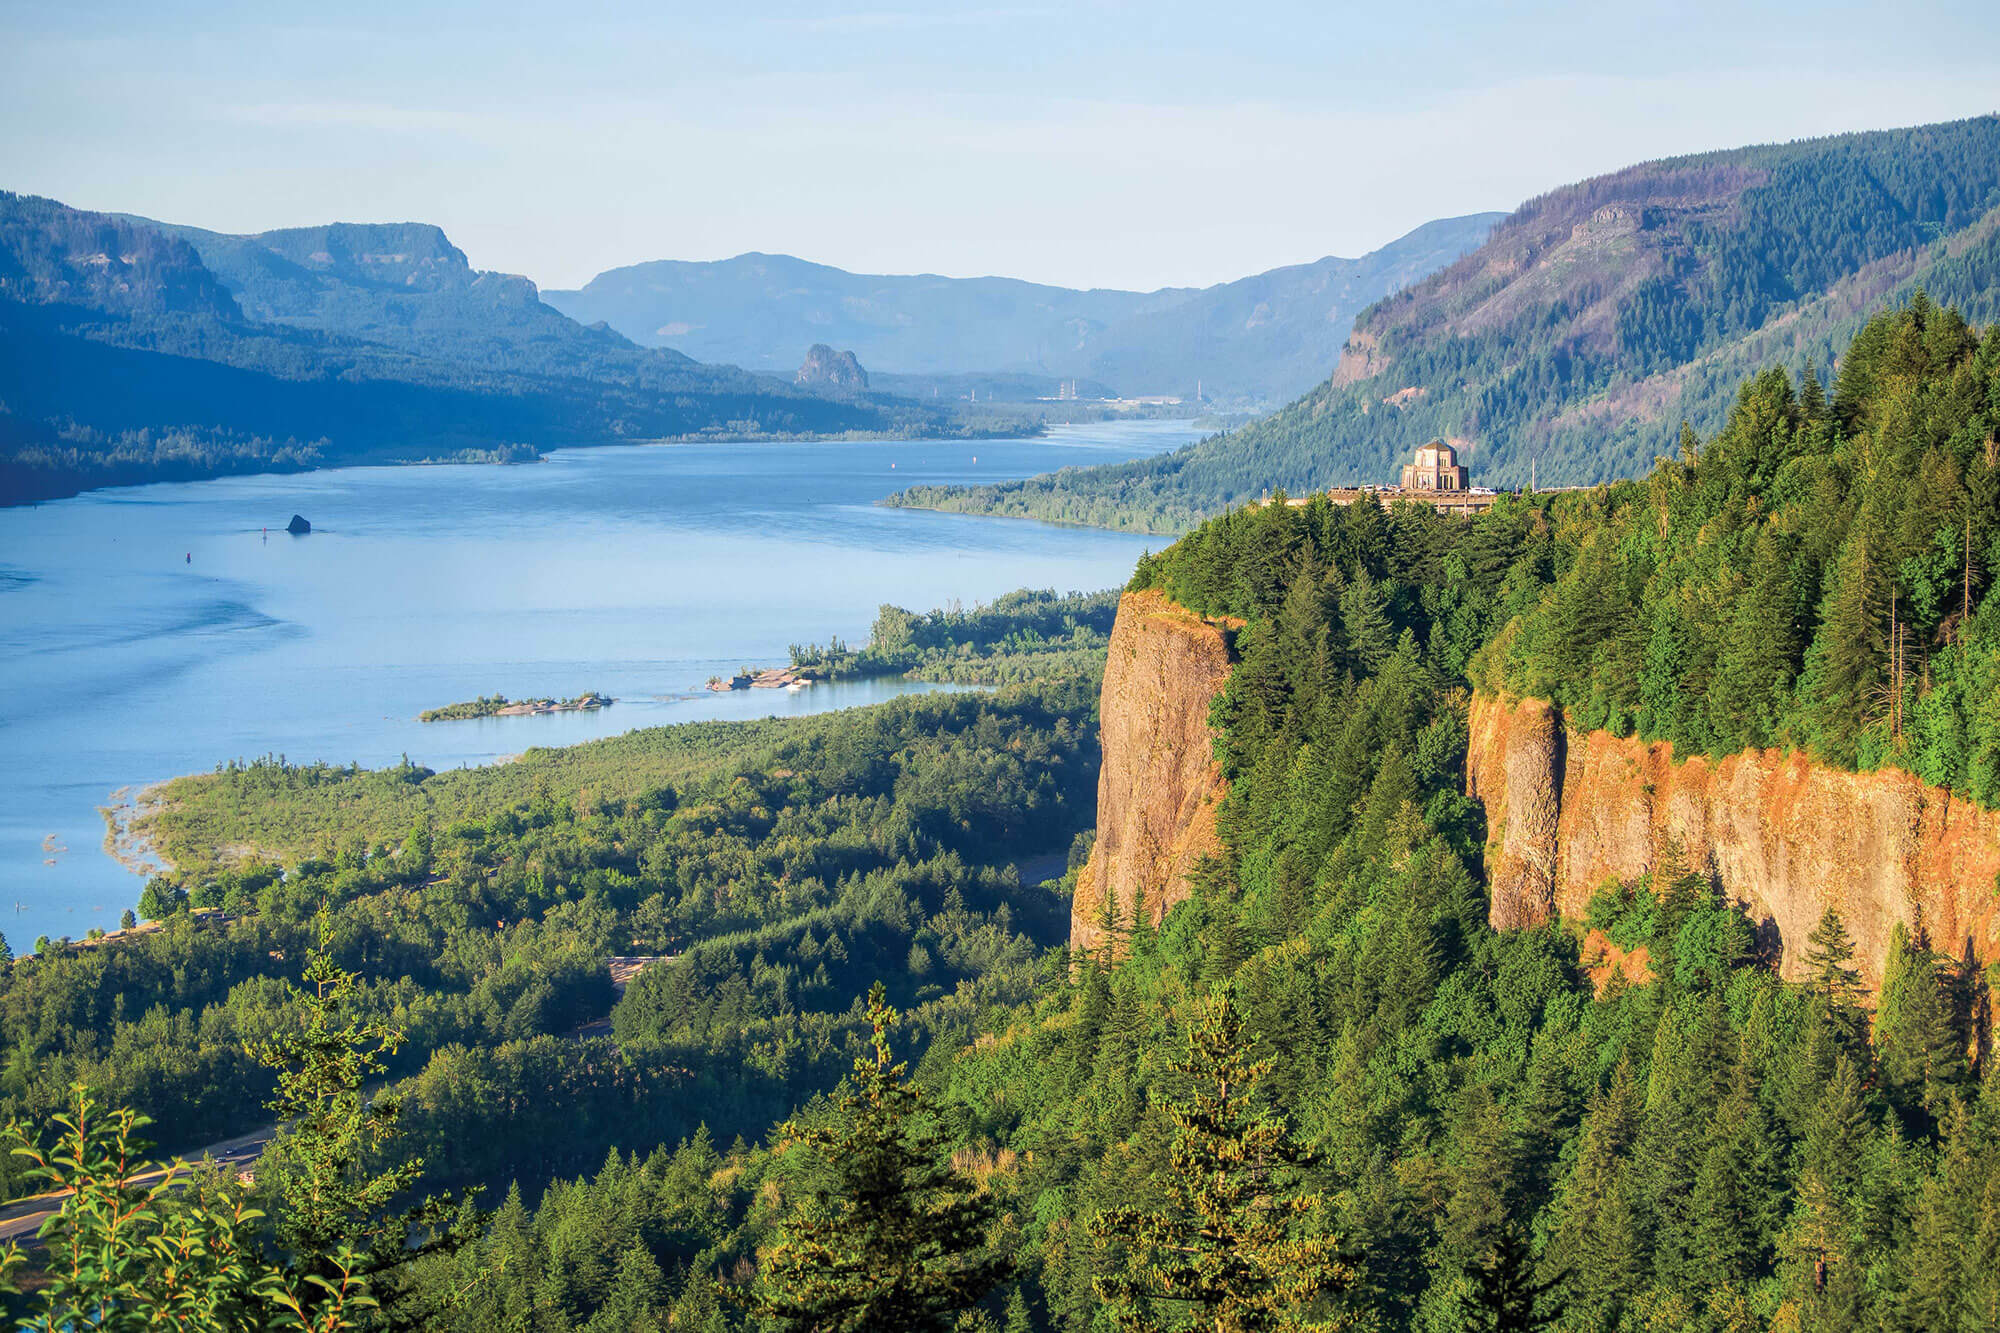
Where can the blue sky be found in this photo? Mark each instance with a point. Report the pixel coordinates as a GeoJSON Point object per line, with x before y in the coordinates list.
{"type": "Point", "coordinates": [1089, 144]}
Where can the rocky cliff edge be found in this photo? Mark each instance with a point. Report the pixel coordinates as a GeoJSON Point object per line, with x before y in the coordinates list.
{"type": "Point", "coordinates": [1567, 812]}
{"type": "Point", "coordinates": [1159, 784]}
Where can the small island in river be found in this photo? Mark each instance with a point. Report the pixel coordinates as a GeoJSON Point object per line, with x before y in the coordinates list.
{"type": "Point", "coordinates": [498, 705]}
{"type": "Point", "coordinates": [775, 678]}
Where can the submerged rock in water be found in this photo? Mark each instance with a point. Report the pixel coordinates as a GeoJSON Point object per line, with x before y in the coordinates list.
{"type": "Point", "coordinates": [298, 527]}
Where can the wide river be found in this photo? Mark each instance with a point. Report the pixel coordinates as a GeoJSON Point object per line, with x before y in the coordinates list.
{"type": "Point", "coordinates": [151, 631]}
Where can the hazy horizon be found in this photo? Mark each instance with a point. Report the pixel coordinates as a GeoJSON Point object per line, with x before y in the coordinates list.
{"type": "Point", "coordinates": [1105, 146]}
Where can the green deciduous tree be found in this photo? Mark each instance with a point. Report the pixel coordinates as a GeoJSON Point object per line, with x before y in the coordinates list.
{"type": "Point", "coordinates": [134, 1246]}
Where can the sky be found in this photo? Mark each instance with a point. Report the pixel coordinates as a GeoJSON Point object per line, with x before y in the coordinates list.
{"type": "Point", "coordinates": [1132, 145]}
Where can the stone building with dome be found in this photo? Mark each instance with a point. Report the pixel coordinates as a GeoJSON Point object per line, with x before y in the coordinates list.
{"type": "Point", "coordinates": [1435, 478]}
{"type": "Point", "coordinates": [1436, 469]}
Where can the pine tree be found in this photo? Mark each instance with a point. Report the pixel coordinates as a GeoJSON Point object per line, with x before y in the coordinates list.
{"type": "Point", "coordinates": [1835, 983]}
{"type": "Point", "coordinates": [1667, 1153]}
{"type": "Point", "coordinates": [1979, 1300]}
{"type": "Point", "coordinates": [889, 1235]}
{"type": "Point", "coordinates": [1480, 1167]}
{"type": "Point", "coordinates": [1735, 1197]}
{"type": "Point", "coordinates": [1919, 1042]}
{"type": "Point", "coordinates": [633, 1303]}
{"type": "Point", "coordinates": [1506, 1296]}
{"type": "Point", "coordinates": [1827, 1220]}
{"type": "Point", "coordinates": [332, 1198]}
{"type": "Point", "coordinates": [1849, 653]}
{"type": "Point", "coordinates": [699, 1309]}
{"type": "Point", "coordinates": [1364, 615]}
{"type": "Point", "coordinates": [1234, 1248]}
{"type": "Point", "coordinates": [1018, 1319]}
{"type": "Point", "coordinates": [1598, 1240]}
{"type": "Point", "coordinates": [1944, 1255]}
{"type": "Point", "coordinates": [1760, 655]}
{"type": "Point", "coordinates": [1812, 394]}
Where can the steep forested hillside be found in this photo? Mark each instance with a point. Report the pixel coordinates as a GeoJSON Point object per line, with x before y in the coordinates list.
{"type": "Point", "coordinates": [125, 357]}
{"type": "Point", "coordinates": [1257, 340]}
{"type": "Point", "coordinates": [1324, 1083]}
{"type": "Point", "coordinates": [1814, 576]}
{"type": "Point", "coordinates": [1597, 319]}
{"type": "Point", "coordinates": [1647, 1131]}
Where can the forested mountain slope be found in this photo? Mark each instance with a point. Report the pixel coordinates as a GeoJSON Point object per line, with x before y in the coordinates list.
{"type": "Point", "coordinates": [128, 358]}
{"type": "Point", "coordinates": [1650, 1126]}
{"type": "Point", "coordinates": [763, 311]}
{"type": "Point", "coordinates": [1633, 1122]}
{"type": "Point", "coordinates": [1595, 320]}
{"type": "Point", "coordinates": [1260, 339]}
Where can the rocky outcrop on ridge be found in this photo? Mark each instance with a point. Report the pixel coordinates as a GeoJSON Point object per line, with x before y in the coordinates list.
{"type": "Point", "coordinates": [1159, 785]}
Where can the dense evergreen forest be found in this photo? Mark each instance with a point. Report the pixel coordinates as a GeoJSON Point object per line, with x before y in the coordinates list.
{"type": "Point", "coordinates": [782, 866]}
{"type": "Point", "coordinates": [1022, 635]}
{"type": "Point", "coordinates": [1812, 577]}
{"type": "Point", "coordinates": [1594, 321]}
{"type": "Point", "coordinates": [1324, 1090]}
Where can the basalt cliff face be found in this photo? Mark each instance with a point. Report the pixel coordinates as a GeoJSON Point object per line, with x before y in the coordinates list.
{"type": "Point", "coordinates": [1566, 812]}
{"type": "Point", "coordinates": [1159, 784]}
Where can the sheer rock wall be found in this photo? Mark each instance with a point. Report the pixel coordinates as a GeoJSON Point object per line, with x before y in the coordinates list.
{"type": "Point", "coordinates": [1159, 784]}
{"type": "Point", "coordinates": [1786, 836]}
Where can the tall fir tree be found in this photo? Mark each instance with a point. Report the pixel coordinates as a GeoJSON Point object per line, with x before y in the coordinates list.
{"type": "Point", "coordinates": [1507, 1297]}
{"type": "Point", "coordinates": [885, 1234]}
{"type": "Point", "coordinates": [333, 1184]}
{"type": "Point", "coordinates": [1237, 1248]}
{"type": "Point", "coordinates": [1835, 985]}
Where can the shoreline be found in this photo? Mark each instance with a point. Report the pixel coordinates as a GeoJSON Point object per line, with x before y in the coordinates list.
{"type": "Point", "coordinates": [891, 502]}
{"type": "Point", "coordinates": [127, 840]}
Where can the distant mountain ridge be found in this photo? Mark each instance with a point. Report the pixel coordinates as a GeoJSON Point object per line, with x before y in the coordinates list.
{"type": "Point", "coordinates": [135, 351]}
{"type": "Point", "coordinates": [405, 285]}
{"type": "Point", "coordinates": [1263, 337]}
{"type": "Point", "coordinates": [1594, 321]}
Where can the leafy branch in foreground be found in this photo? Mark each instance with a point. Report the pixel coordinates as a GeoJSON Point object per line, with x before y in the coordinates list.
{"type": "Point", "coordinates": [140, 1246]}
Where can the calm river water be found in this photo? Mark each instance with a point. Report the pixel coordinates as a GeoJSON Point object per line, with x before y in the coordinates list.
{"type": "Point", "coordinates": [157, 630]}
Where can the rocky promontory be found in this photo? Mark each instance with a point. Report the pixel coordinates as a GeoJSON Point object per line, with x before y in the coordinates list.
{"type": "Point", "coordinates": [1159, 784]}
{"type": "Point", "coordinates": [824, 368]}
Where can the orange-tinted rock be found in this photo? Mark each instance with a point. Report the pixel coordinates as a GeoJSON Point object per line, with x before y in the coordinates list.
{"type": "Point", "coordinates": [1603, 960]}
{"type": "Point", "coordinates": [1159, 785]}
{"type": "Point", "coordinates": [1780, 833]}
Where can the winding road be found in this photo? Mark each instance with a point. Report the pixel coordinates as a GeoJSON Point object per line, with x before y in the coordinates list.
{"type": "Point", "coordinates": [21, 1219]}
